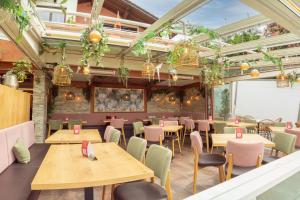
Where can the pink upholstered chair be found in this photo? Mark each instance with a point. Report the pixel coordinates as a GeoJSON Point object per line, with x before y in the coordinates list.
{"type": "Point", "coordinates": [243, 157]}
{"type": "Point", "coordinates": [119, 124]}
{"type": "Point", "coordinates": [107, 133]}
{"type": "Point", "coordinates": [297, 133]}
{"type": "Point", "coordinates": [172, 119]}
{"type": "Point", "coordinates": [182, 120]}
{"type": "Point", "coordinates": [189, 127]}
{"type": "Point", "coordinates": [154, 135]}
{"type": "Point", "coordinates": [203, 126]}
{"type": "Point", "coordinates": [205, 160]}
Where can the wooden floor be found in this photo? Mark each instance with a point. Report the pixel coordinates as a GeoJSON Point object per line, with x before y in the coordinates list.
{"type": "Point", "coordinates": [181, 177]}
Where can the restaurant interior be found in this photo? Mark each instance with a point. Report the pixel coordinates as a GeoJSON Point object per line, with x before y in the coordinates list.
{"type": "Point", "coordinates": [149, 100]}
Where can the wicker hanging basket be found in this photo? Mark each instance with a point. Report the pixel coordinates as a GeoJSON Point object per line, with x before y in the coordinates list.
{"type": "Point", "coordinates": [62, 75]}
{"type": "Point", "coordinates": [189, 57]}
{"type": "Point", "coordinates": [148, 70]}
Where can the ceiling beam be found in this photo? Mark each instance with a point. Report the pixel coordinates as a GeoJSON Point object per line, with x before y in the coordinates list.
{"type": "Point", "coordinates": [278, 12]}
{"type": "Point", "coordinates": [96, 9]}
{"type": "Point", "coordinates": [262, 75]}
{"type": "Point", "coordinates": [179, 11]}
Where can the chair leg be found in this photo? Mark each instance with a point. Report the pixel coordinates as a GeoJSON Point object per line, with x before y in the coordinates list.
{"type": "Point", "coordinates": [178, 140]}
{"type": "Point", "coordinates": [207, 141]}
{"type": "Point", "coordinates": [173, 150]}
{"type": "Point", "coordinates": [103, 192]}
{"type": "Point", "coordinates": [183, 137]}
{"type": "Point", "coordinates": [221, 173]}
{"type": "Point", "coordinates": [195, 177]}
{"type": "Point", "coordinates": [168, 187]}
{"type": "Point", "coordinates": [124, 138]}
{"type": "Point", "coordinates": [112, 192]}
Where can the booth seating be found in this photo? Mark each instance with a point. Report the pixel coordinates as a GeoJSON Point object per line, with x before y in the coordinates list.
{"type": "Point", "coordinates": [16, 178]}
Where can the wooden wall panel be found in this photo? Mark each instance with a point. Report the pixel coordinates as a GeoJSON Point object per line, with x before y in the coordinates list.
{"type": "Point", "coordinates": [14, 106]}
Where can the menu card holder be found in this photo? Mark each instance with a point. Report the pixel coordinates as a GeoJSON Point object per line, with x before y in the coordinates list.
{"type": "Point", "coordinates": [162, 124]}
{"type": "Point", "coordinates": [239, 133]}
{"type": "Point", "coordinates": [77, 129]}
{"type": "Point", "coordinates": [289, 125]}
{"type": "Point", "coordinates": [237, 121]}
{"type": "Point", "coordinates": [87, 150]}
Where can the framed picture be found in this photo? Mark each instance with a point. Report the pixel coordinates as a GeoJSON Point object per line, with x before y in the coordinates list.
{"type": "Point", "coordinates": [118, 100]}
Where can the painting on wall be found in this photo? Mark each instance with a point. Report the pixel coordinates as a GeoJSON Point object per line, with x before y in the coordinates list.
{"type": "Point", "coordinates": [118, 100]}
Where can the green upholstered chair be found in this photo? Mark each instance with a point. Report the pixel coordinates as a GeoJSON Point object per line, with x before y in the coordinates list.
{"type": "Point", "coordinates": [115, 136]}
{"type": "Point", "coordinates": [138, 128]}
{"type": "Point", "coordinates": [73, 122]}
{"type": "Point", "coordinates": [54, 125]}
{"type": "Point", "coordinates": [137, 147]}
{"type": "Point", "coordinates": [279, 124]}
{"type": "Point", "coordinates": [158, 159]}
{"type": "Point", "coordinates": [231, 130]}
{"type": "Point", "coordinates": [284, 142]}
{"type": "Point", "coordinates": [219, 118]}
{"type": "Point", "coordinates": [219, 127]}
{"type": "Point", "coordinates": [154, 121]}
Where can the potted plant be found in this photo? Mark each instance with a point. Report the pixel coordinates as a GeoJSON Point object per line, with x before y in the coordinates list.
{"type": "Point", "coordinates": [123, 73]}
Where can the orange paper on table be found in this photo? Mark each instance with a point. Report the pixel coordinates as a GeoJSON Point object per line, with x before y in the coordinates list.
{"type": "Point", "coordinates": [239, 133]}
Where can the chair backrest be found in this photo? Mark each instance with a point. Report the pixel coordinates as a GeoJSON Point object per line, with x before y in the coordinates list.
{"type": "Point", "coordinates": [245, 154]}
{"type": "Point", "coordinates": [107, 133]}
{"type": "Point", "coordinates": [279, 124]}
{"type": "Point", "coordinates": [73, 122]}
{"type": "Point", "coordinates": [285, 142]}
{"type": "Point", "coordinates": [172, 119]}
{"type": "Point", "coordinates": [219, 127]}
{"type": "Point", "coordinates": [137, 147]}
{"type": "Point", "coordinates": [153, 134]}
{"type": "Point", "coordinates": [137, 128]}
{"type": "Point", "coordinates": [196, 142]}
{"type": "Point", "coordinates": [182, 120]}
{"type": "Point", "coordinates": [231, 130]}
{"type": "Point", "coordinates": [154, 121]}
{"type": "Point", "coordinates": [117, 123]}
{"type": "Point", "coordinates": [170, 123]}
{"type": "Point", "coordinates": [55, 124]}
{"type": "Point", "coordinates": [189, 124]}
{"type": "Point", "coordinates": [279, 119]}
{"type": "Point", "coordinates": [294, 132]}
{"type": "Point", "coordinates": [219, 118]}
{"type": "Point", "coordinates": [115, 136]}
{"type": "Point", "coordinates": [203, 125]}
{"type": "Point", "coordinates": [158, 159]}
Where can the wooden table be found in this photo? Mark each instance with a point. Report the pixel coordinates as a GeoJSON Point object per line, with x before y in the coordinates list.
{"type": "Point", "coordinates": [233, 124]}
{"type": "Point", "coordinates": [169, 128]}
{"type": "Point", "coordinates": [276, 129]}
{"type": "Point", "coordinates": [109, 120]}
{"type": "Point", "coordinates": [64, 167]}
{"type": "Point", "coordinates": [68, 137]}
{"type": "Point", "coordinates": [220, 140]}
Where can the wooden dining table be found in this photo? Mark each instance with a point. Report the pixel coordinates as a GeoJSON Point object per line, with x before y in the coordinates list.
{"type": "Point", "coordinates": [109, 120]}
{"type": "Point", "coordinates": [233, 124]}
{"type": "Point", "coordinates": [64, 167]}
{"type": "Point", "coordinates": [65, 136]}
{"type": "Point", "coordinates": [220, 140]}
{"type": "Point", "coordinates": [276, 129]}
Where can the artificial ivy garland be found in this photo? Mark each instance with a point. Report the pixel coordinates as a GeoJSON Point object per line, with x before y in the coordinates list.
{"type": "Point", "coordinates": [91, 50]}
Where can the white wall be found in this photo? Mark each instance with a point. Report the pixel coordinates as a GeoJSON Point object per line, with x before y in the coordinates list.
{"type": "Point", "coordinates": [263, 100]}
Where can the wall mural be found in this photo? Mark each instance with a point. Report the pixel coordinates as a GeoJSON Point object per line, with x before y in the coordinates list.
{"type": "Point", "coordinates": [118, 100]}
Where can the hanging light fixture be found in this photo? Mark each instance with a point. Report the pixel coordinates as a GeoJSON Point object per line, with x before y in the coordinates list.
{"type": "Point", "coordinates": [254, 73]}
{"type": "Point", "coordinates": [148, 68]}
{"type": "Point", "coordinates": [118, 23]}
{"type": "Point", "coordinates": [95, 36]}
{"type": "Point", "coordinates": [244, 66]}
{"type": "Point", "coordinates": [70, 96]}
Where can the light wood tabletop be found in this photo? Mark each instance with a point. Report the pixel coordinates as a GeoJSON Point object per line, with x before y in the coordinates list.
{"type": "Point", "coordinates": [109, 120]}
{"type": "Point", "coordinates": [233, 124]}
{"type": "Point", "coordinates": [64, 167]}
{"type": "Point", "coordinates": [276, 129]}
{"type": "Point", "coordinates": [220, 140]}
{"type": "Point", "coordinates": [65, 136]}
{"type": "Point", "coordinates": [169, 128]}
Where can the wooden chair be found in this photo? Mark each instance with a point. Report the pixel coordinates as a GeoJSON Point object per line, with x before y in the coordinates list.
{"type": "Point", "coordinates": [205, 160]}
{"type": "Point", "coordinates": [297, 134]}
{"type": "Point", "coordinates": [203, 126]}
{"type": "Point", "coordinates": [138, 128]}
{"type": "Point", "coordinates": [107, 133]}
{"type": "Point", "coordinates": [154, 135]}
{"type": "Point", "coordinates": [158, 159]}
{"type": "Point", "coordinates": [73, 122]}
{"type": "Point", "coordinates": [285, 143]}
{"type": "Point", "coordinates": [219, 127]}
{"type": "Point", "coordinates": [115, 136]}
{"type": "Point", "coordinates": [243, 157]}
{"type": "Point", "coordinates": [173, 136]}
{"type": "Point", "coordinates": [54, 125]}
{"type": "Point", "coordinates": [119, 124]}
{"type": "Point", "coordinates": [189, 127]}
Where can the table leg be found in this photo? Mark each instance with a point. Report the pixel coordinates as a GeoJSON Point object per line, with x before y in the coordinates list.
{"type": "Point", "coordinates": [89, 193]}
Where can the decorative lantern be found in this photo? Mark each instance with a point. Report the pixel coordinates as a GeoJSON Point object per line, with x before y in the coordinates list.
{"type": "Point", "coordinates": [244, 66]}
{"type": "Point", "coordinates": [172, 98]}
{"type": "Point", "coordinates": [62, 75]}
{"type": "Point", "coordinates": [148, 70]}
{"type": "Point", "coordinates": [11, 80]}
{"type": "Point", "coordinates": [254, 73]}
{"type": "Point", "coordinates": [70, 96]}
{"type": "Point", "coordinates": [175, 77]}
{"type": "Point", "coordinates": [189, 56]}
{"type": "Point", "coordinates": [282, 81]}
{"type": "Point", "coordinates": [86, 70]}
{"type": "Point", "coordinates": [95, 36]}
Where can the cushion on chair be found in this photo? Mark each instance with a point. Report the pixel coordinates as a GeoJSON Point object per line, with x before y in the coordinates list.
{"type": "Point", "coordinates": [236, 170]}
{"type": "Point", "coordinates": [21, 152]}
{"type": "Point", "coordinates": [211, 160]}
{"type": "Point", "coordinates": [140, 190]}
{"type": "Point", "coordinates": [171, 137]}
{"type": "Point", "coordinates": [269, 159]}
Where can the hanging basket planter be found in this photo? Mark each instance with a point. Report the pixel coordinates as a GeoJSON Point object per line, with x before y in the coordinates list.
{"type": "Point", "coordinates": [282, 81]}
{"type": "Point", "coordinates": [62, 75]}
{"type": "Point", "coordinates": [148, 70]}
{"type": "Point", "coordinates": [189, 54]}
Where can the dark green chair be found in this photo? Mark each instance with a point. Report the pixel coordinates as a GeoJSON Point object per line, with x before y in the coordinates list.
{"type": "Point", "coordinates": [73, 122]}
{"type": "Point", "coordinates": [54, 125]}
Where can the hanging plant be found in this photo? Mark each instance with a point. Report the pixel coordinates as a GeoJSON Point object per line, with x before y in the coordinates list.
{"type": "Point", "coordinates": [196, 30]}
{"type": "Point", "coordinates": [19, 14]}
{"type": "Point", "coordinates": [292, 78]}
{"type": "Point", "coordinates": [123, 73]}
{"type": "Point", "coordinates": [21, 69]}
{"type": "Point", "coordinates": [90, 48]}
{"type": "Point", "coordinates": [139, 48]}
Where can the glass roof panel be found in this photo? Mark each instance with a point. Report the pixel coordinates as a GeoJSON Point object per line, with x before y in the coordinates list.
{"type": "Point", "coordinates": [217, 13]}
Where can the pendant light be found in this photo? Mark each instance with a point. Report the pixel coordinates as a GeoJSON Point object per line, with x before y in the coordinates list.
{"type": "Point", "coordinates": [244, 66]}
{"type": "Point", "coordinates": [254, 73]}
{"type": "Point", "coordinates": [95, 36]}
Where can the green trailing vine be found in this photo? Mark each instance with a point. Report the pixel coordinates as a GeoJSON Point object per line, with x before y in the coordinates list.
{"type": "Point", "coordinates": [139, 48]}
{"type": "Point", "coordinates": [123, 73]}
{"type": "Point", "coordinates": [20, 15]}
{"type": "Point", "coordinates": [21, 69]}
{"type": "Point", "coordinates": [245, 36]}
{"type": "Point", "coordinates": [91, 50]}
{"type": "Point", "coordinates": [196, 30]}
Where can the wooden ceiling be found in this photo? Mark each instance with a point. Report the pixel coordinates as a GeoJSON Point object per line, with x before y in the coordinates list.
{"type": "Point", "coordinates": [127, 10]}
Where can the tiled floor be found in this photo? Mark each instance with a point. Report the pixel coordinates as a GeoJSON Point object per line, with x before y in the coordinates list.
{"type": "Point", "coordinates": [181, 180]}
